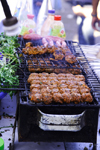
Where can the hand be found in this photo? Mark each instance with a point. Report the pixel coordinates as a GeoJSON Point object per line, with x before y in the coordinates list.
{"type": "Point", "coordinates": [94, 21]}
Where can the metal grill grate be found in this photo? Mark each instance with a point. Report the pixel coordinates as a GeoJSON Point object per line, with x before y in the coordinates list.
{"type": "Point", "coordinates": [91, 79]}
{"type": "Point", "coordinates": [46, 60]}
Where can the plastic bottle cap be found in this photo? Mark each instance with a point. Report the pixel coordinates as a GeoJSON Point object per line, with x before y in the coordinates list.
{"type": "Point", "coordinates": [30, 16]}
{"type": "Point", "coordinates": [51, 11]}
{"type": "Point", "coordinates": [1, 144]}
{"type": "Point", "coordinates": [57, 17]}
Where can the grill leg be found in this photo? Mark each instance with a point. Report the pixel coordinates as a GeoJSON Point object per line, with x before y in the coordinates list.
{"type": "Point", "coordinates": [11, 145]}
{"type": "Point", "coordinates": [94, 147]}
{"type": "Point", "coordinates": [96, 121]}
{"type": "Point", "coordinates": [64, 145]}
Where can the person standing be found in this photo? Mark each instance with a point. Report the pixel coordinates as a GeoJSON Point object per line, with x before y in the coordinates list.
{"type": "Point", "coordinates": [95, 18]}
{"type": "Point", "coordinates": [82, 10]}
{"type": "Point", "coordinates": [36, 6]}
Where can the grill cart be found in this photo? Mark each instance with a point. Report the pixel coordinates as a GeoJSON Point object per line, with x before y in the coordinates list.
{"type": "Point", "coordinates": [66, 122]}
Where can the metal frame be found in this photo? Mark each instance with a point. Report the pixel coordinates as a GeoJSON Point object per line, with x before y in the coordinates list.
{"type": "Point", "coordinates": [91, 109]}
{"type": "Point", "coordinates": [91, 78]}
{"type": "Point", "coordinates": [71, 136]}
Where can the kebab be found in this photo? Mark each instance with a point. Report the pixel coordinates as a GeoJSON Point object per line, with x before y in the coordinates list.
{"type": "Point", "coordinates": [52, 89]}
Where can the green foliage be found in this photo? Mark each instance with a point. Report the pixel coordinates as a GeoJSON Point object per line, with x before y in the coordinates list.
{"type": "Point", "coordinates": [8, 63]}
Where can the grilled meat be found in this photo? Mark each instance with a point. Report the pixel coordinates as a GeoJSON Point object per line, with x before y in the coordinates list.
{"type": "Point", "coordinates": [35, 90]}
{"type": "Point", "coordinates": [37, 98]}
{"type": "Point", "coordinates": [45, 42]}
{"type": "Point", "coordinates": [32, 78]}
{"type": "Point", "coordinates": [35, 81]}
{"type": "Point", "coordinates": [41, 50]}
{"type": "Point", "coordinates": [51, 49]}
{"type": "Point", "coordinates": [34, 86]}
{"type": "Point", "coordinates": [55, 90]}
{"type": "Point", "coordinates": [67, 89]}
{"type": "Point", "coordinates": [61, 75]}
{"type": "Point", "coordinates": [43, 74]}
{"type": "Point", "coordinates": [68, 70]}
{"type": "Point", "coordinates": [63, 44]}
{"type": "Point", "coordinates": [52, 86]}
{"type": "Point", "coordinates": [44, 86]}
{"type": "Point", "coordinates": [80, 77]}
{"type": "Point", "coordinates": [51, 43]}
{"type": "Point", "coordinates": [33, 74]}
{"type": "Point", "coordinates": [54, 81]}
{"type": "Point", "coordinates": [44, 81]}
{"type": "Point", "coordinates": [47, 98]}
{"type": "Point", "coordinates": [32, 36]}
{"type": "Point", "coordinates": [70, 58]}
{"type": "Point", "coordinates": [43, 78]}
{"type": "Point", "coordinates": [51, 78]}
{"type": "Point", "coordinates": [54, 38]}
{"type": "Point", "coordinates": [58, 55]}
{"type": "Point", "coordinates": [58, 43]}
{"type": "Point", "coordinates": [84, 90]}
{"type": "Point", "coordinates": [74, 90]}
{"type": "Point", "coordinates": [29, 44]}
{"type": "Point", "coordinates": [87, 97]}
{"type": "Point", "coordinates": [76, 97]}
{"type": "Point", "coordinates": [45, 90]}
{"type": "Point", "coordinates": [59, 52]}
{"type": "Point", "coordinates": [62, 86]}
{"type": "Point", "coordinates": [66, 51]}
{"type": "Point", "coordinates": [62, 81]}
{"type": "Point", "coordinates": [60, 78]}
{"type": "Point", "coordinates": [66, 97]}
{"type": "Point", "coordinates": [57, 97]}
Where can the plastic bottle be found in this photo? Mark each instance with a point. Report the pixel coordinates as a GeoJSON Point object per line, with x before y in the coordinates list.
{"type": "Point", "coordinates": [47, 24]}
{"type": "Point", "coordinates": [42, 15]}
{"type": "Point", "coordinates": [28, 26]}
{"type": "Point", "coordinates": [57, 27]}
{"type": "Point", "coordinates": [1, 144]}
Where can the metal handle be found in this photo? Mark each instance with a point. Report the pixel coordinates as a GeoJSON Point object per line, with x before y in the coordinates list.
{"type": "Point", "coordinates": [61, 122]}
{"type": "Point", "coordinates": [6, 9]}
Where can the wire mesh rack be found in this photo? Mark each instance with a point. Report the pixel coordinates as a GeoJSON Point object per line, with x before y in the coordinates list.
{"type": "Point", "coordinates": [91, 78]}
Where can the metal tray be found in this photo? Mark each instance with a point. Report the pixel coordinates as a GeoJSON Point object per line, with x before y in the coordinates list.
{"type": "Point", "coordinates": [54, 122]}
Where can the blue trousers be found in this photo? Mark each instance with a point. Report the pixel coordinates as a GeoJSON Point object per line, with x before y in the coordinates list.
{"type": "Point", "coordinates": [85, 32]}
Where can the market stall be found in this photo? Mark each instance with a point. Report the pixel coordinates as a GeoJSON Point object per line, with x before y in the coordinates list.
{"type": "Point", "coordinates": [69, 120]}
{"type": "Point", "coordinates": [45, 121]}
{"type": "Point", "coordinates": [57, 84]}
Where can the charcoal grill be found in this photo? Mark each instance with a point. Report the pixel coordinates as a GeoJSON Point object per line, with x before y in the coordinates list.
{"type": "Point", "coordinates": [34, 122]}
{"type": "Point", "coordinates": [82, 64]}
{"type": "Point", "coordinates": [46, 60]}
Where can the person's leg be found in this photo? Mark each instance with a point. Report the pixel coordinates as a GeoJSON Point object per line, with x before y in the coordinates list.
{"type": "Point", "coordinates": [88, 31]}
{"type": "Point", "coordinates": [36, 11]}
{"type": "Point", "coordinates": [80, 32]}
{"type": "Point", "coordinates": [85, 31]}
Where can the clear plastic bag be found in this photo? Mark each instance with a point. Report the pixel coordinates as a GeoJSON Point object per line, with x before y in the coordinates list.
{"type": "Point", "coordinates": [23, 8]}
